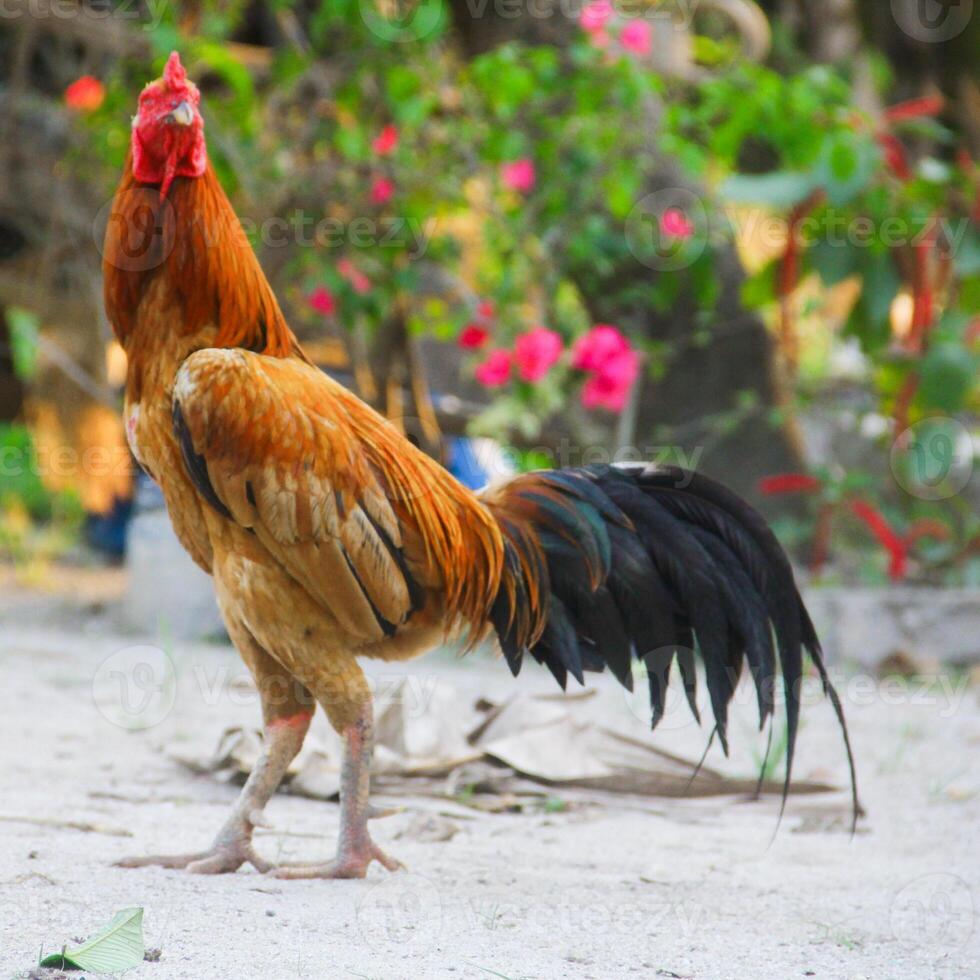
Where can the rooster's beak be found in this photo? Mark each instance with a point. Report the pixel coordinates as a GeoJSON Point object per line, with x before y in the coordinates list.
{"type": "Point", "coordinates": [183, 115]}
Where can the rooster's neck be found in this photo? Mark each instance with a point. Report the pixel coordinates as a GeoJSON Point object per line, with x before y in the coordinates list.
{"type": "Point", "coordinates": [183, 264]}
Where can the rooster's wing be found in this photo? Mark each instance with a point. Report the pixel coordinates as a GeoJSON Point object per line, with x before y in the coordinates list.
{"type": "Point", "coordinates": [273, 445]}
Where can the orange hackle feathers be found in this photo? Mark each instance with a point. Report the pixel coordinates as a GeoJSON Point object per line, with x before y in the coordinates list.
{"type": "Point", "coordinates": [196, 242]}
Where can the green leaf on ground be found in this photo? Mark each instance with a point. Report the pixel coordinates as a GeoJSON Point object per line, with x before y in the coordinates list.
{"type": "Point", "coordinates": [116, 947]}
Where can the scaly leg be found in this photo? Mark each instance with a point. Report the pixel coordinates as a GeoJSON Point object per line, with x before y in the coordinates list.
{"type": "Point", "coordinates": [287, 710]}
{"type": "Point", "coordinates": [355, 849]}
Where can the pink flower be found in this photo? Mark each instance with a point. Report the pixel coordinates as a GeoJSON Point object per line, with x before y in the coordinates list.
{"type": "Point", "coordinates": [518, 175]}
{"type": "Point", "coordinates": [473, 336]}
{"type": "Point", "coordinates": [536, 351]}
{"type": "Point", "coordinates": [386, 141]}
{"type": "Point", "coordinates": [602, 343]}
{"type": "Point", "coordinates": [636, 37]}
{"type": "Point", "coordinates": [495, 370]}
{"type": "Point", "coordinates": [612, 363]}
{"type": "Point", "coordinates": [595, 16]}
{"type": "Point", "coordinates": [610, 386]}
{"type": "Point", "coordinates": [675, 224]}
{"type": "Point", "coordinates": [359, 282]}
{"type": "Point", "coordinates": [322, 301]}
{"type": "Point", "coordinates": [382, 191]}
{"type": "Point", "coordinates": [85, 94]}
{"type": "Point", "coordinates": [486, 309]}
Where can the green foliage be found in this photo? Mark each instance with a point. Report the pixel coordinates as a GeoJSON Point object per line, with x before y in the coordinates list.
{"type": "Point", "coordinates": [445, 230]}
{"type": "Point", "coordinates": [35, 524]}
{"type": "Point", "coordinates": [24, 335]}
{"type": "Point", "coordinates": [949, 372]}
{"type": "Point", "coordinates": [20, 482]}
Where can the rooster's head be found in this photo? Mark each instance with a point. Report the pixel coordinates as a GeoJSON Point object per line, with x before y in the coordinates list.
{"type": "Point", "coordinates": [168, 131]}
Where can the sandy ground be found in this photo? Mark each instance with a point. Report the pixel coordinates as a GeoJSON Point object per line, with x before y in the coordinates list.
{"type": "Point", "coordinates": [609, 887]}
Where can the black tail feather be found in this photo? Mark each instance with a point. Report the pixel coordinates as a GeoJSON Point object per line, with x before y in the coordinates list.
{"type": "Point", "coordinates": [656, 563]}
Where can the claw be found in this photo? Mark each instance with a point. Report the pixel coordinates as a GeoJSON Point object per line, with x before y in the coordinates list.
{"type": "Point", "coordinates": [377, 812]}
{"type": "Point", "coordinates": [258, 819]}
{"type": "Point", "coordinates": [350, 864]}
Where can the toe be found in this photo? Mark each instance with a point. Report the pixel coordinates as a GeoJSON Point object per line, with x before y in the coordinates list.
{"type": "Point", "coordinates": [216, 864]}
{"type": "Point", "coordinates": [350, 864]}
{"type": "Point", "coordinates": [386, 861]}
{"type": "Point", "coordinates": [301, 871]}
{"type": "Point", "coordinates": [218, 860]}
{"type": "Point", "coordinates": [160, 860]}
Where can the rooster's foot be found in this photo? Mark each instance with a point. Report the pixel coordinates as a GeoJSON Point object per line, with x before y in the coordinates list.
{"type": "Point", "coordinates": [220, 859]}
{"type": "Point", "coordinates": [350, 863]}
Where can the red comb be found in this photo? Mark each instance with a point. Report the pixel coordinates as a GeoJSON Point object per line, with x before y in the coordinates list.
{"type": "Point", "coordinates": [174, 75]}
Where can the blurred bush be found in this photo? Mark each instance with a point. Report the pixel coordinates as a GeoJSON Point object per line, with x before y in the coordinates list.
{"type": "Point", "coordinates": [505, 196]}
{"type": "Point", "coordinates": [36, 524]}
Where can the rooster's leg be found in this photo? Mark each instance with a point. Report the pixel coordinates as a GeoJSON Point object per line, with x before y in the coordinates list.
{"type": "Point", "coordinates": [233, 845]}
{"type": "Point", "coordinates": [287, 711]}
{"type": "Point", "coordinates": [355, 849]}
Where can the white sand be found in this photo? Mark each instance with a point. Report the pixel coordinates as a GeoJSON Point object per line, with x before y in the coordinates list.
{"type": "Point", "coordinates": [618, 887]}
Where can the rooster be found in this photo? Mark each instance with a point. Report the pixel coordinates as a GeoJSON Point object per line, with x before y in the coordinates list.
{"type": "Point", "coordinates": [331, 538]}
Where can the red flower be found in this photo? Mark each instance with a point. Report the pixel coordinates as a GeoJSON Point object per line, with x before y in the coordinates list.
{"type": "Point", "coordinates": [386, 141]}
{"type": "Point", "coordinates": [887, 537]}
{"type": "Point", "coordinates": [322, 301]}
{"type": "Point", "coordinates": [675, 224]}
{"type": "Point", "coordinates": [636, 37]}
{"type": "Point", "coordinates": [607, 355]}
{"type": "Point", "coordinates": [473, 336]}
{"type": "Point", "coordinates": [359, 282]}
{"type": "Point", "coordinates": [598, 346]}
{"type": "Point", "coordinates": [927, 105]}
{"type": "Point", "coordinates": [896, 159]}
{"type": "Point", "coordinates": [485, 309]}
{"type": "Point", "coordinates": [535, 352]}
{"type": "Point", "coordinates": [495, 370]}
{"type": "Point", "coordinates": [789, 483]}
{"type": "Point", "coordinates": [610, 387]}
{"type": "Point", "coordinates": [382, 191]}
{"type": "Point", "coordinates": [613, 364]}
{"type": "Point", "coordinates": [85, 94]}
{"type": "Point", "coordinates": [519, 175]}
